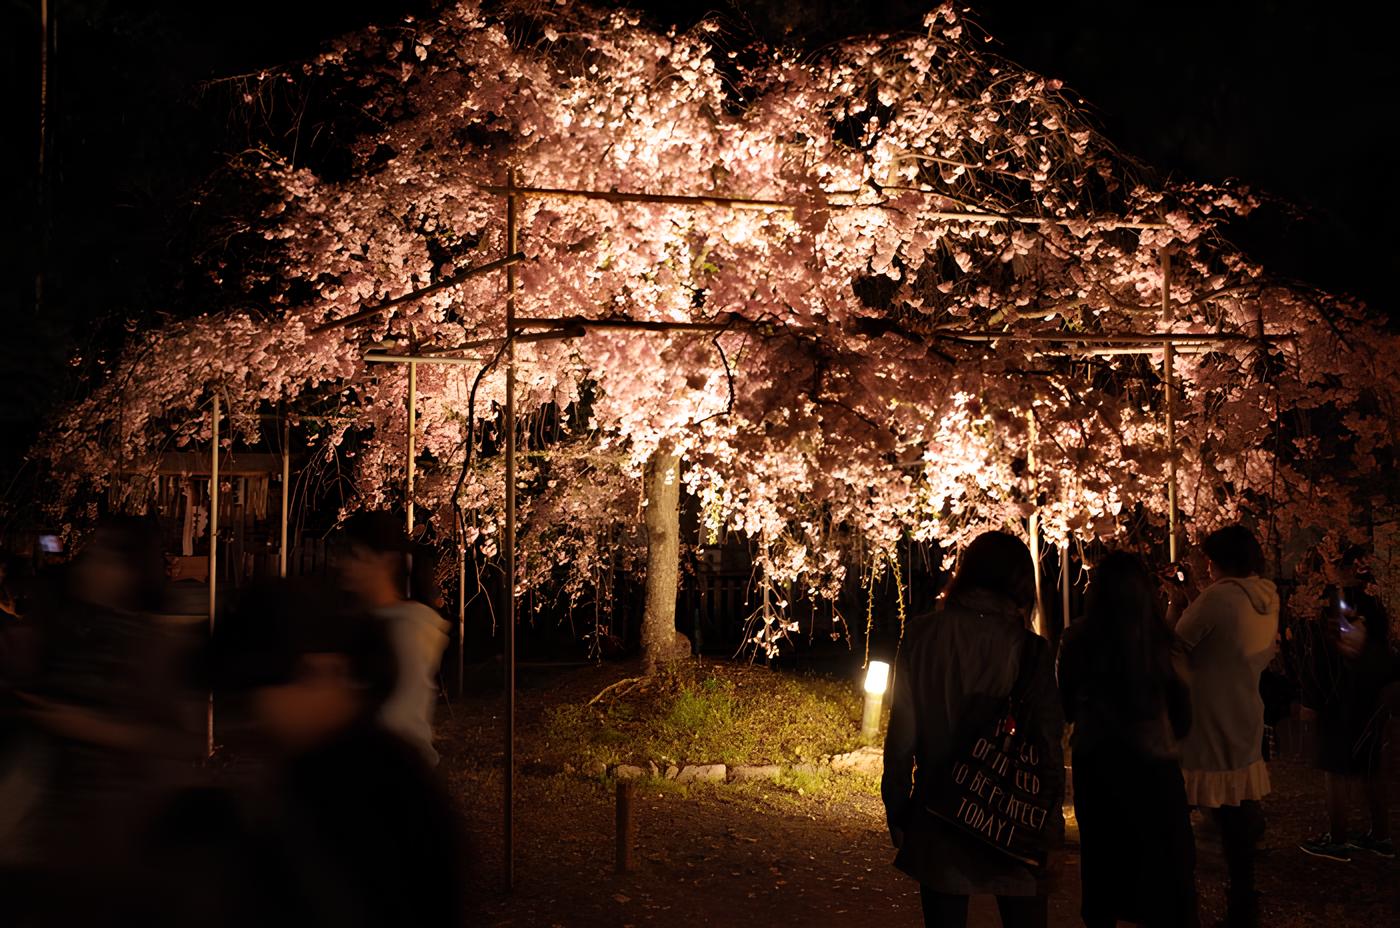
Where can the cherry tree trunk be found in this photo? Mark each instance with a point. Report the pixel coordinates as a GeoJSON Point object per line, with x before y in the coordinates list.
{"type": "Point", "coordinates": [660, 640]}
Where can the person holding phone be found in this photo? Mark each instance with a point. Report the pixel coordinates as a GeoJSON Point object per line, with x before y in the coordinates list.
{"type": "Point", "coordinates": [1349, 665]}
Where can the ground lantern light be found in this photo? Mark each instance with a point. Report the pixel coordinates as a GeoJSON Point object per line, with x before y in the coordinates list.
{"type": "Point", "coordinates": [877, 680]}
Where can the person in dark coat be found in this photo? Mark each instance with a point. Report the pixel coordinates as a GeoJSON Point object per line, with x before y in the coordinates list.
{"type": "Point", "coordinates": [956, 666]}
{"type": "Point", "coordinates": [1129, 708]}
{"type": "Point", "coordinates": [1349, 665]}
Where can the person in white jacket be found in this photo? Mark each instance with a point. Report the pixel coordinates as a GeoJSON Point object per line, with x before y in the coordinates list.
{"type": "Point", "coordinates": [1225, 639]}
{"type": "Point", "coordinates": [374, 571]}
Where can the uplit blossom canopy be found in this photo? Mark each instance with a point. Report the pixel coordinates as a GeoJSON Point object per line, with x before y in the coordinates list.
{"type": "Point", "coordinates": [916, 307]}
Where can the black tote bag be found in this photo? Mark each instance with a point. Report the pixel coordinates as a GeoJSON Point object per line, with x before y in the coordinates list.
{"type": "Point", "coordinates": [993, 790]}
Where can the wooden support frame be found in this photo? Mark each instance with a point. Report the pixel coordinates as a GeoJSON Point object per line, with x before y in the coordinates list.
{"type": "Point", "coordinates": [835, 200]}
{"type": "Point", "coordinates": [573, 327]}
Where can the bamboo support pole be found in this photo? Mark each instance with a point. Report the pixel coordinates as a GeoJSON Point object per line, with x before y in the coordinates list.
{"type": "Point", "coordinates": [286, 494]}
{"type": "Point", "coordinates": [365, 314]}
{"type": "Point", "coordinates": [1152, 340]}
{"type": "Point", "coordinates": [1064, 586]}
{"type": "Point", "coordinates": [1169, 382]}
{"type": "Point", "coordinates": [411, 463]}
{"type": "Point", "coordinates": [509, 797]}
{"type": "Point", "coordinates": [461, 611]}
{"type": "Point", "coordinates": [842, 200]}
{"type": "Point", "coordinates": [213, 554]}
{"type": "Point", "coordinates": [410, 472]}
{"type": "Point", "coordinates": [1033, 529]}
{"type": "Point", "coordinates": [581, 322]}
{"type": "Point", "coordinates": [379, 357]}
{"type": "Point", "coordinates": [1173, 516]}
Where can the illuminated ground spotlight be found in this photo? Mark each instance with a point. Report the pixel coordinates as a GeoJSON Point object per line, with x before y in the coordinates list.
{"type": "Point", "coordinates": [877, 680]}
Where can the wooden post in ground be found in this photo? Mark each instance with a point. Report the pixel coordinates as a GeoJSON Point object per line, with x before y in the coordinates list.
{"type": "Point", "coordinates": [625, 830]}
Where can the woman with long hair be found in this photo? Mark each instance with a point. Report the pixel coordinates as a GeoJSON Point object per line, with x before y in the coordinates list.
{"type": "Point", "coordinates": [1129, 709]}
{"type": "Point", "coordinates": [954, 664]}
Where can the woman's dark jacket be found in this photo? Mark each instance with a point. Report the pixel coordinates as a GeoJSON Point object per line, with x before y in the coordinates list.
{"type": "Point", "coordinates": [955, 668]}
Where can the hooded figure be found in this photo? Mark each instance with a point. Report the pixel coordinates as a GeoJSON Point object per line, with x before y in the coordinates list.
{"type": "Point", "coordinates": [1225, 639]}
{"type": "Point", "coordinates": [1228, 635]}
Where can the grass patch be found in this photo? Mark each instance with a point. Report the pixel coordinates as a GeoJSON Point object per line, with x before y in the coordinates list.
{"type": "Point", "coordinates": [706, 713]}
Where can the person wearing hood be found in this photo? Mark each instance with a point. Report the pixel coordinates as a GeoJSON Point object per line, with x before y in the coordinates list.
{"type": "Point", "coordinates": [374, 572]}
{"type": "Point", "coordinates": [1225, 638]}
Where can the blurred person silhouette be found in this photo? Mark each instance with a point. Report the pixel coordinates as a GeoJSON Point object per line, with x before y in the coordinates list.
{"type": "Point", "coordinates": [1225, 638]}
{"type": "Point", "coordinates": [104, 702]}
{"type": "Point", "coordinates": [348, 826]}
{"type": "Point", "coordinates": [9, 601]}
{"type": "Point", "coordinates": [21, 755]}
{"type": "Point", "coordinates": [956, 666]}
{"type": "Point", "coordinates": [1129, 709]}
{"type": "Point", "coordinates": [373, 571]}
{"type": "Point", "coordinates": [1348, 665]}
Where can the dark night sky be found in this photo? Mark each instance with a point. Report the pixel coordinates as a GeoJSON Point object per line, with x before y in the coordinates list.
{"type": "Point", "coordinates": [1293, 98]}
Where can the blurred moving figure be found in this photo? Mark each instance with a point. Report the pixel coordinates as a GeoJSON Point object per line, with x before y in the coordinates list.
{"type": "Point", "coordinates": [1129, 709]}
{"type": "Point", "coordinates": [1349, 665]}
{"type": "Point", "coordinates": [1226, 637]}
{"type": "Point", "coordinates": [9, 603]}
{"type": "Point", "coordinates": [374, 571]}
{"type": "Point", "coordinates": [104, 710]}
{"type": "Point", "coordinates": [349, 827]}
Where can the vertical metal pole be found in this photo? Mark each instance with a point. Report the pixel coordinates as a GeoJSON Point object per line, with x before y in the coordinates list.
{"type": "Point", "coordinates": [1033, 529]}
{"type": "Point", "coordinates": [410, 464]}
{"type": "Point", "coordinates": [510, 537]}
{"type": "Point", "coordinates": [461, 612]}
{"type": "Point", "coordinates": [213, 553]}
{"type": "Point", "coordinates": [286, 493]}
{"type": "Point", "coordinates": [1169, 377]}
{"type": "Point", "coordinates": [1169, 380]}
{"type": "Point", "coordinates": [410, 469]}
{"type": "Point", "coordinates": [1064, 586]}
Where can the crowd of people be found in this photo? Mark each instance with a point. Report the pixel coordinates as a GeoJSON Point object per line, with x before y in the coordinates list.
{"type": "Point", "coordinates": [335, 814]}
{"type": "Point", "coordinates": [1162, 690]}
{"type": "Point", "coordinates": [112, 812]}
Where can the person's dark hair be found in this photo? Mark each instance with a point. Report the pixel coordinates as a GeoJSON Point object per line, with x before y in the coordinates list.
{"type": "Point", "coordinates": [382, 533]}
{"type": "Point", "coordinates": [135, 543]}
{"type": "Point", "coordinates": [1235, 551]}
{"type": "Point", "coordinates": [1127, 643]}
{"type": "Point", "coordinates": [996, 562]}
{"type": "Point", "coordinates": [377, 530]}
{"type": "Point", "coordinates": [278, 622]}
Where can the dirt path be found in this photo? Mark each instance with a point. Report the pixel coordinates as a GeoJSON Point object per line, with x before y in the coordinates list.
{"type": "Point", "coordinates": [761, 855]}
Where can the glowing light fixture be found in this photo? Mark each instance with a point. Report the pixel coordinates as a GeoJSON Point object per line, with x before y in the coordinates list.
{"type": "Point", "coordinates": [877, 680]}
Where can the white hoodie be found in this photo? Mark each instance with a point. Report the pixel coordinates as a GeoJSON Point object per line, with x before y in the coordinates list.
{"type": "Point", "coordinates": [419, 636]}
{"type": "Point", "coordinates": [1228, 636]}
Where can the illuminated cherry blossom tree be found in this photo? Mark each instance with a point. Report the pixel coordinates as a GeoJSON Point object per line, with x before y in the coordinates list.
{"type": "Point", "coordinates": [911, 314]}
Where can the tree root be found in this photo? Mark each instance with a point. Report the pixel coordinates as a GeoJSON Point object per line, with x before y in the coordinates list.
{"type": "Point", "coordinates": [623, 686]}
